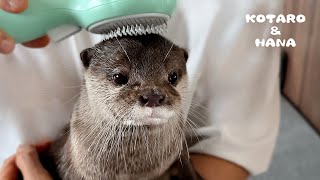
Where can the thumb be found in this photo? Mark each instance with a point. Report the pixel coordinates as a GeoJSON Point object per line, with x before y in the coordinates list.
{"type": "Point", "coordinates": [14, 6]}
{"type": "Point", "coordinates": [6, 43]}
{"type": "Point", "coordinates": [28, 162]}
{"type": "Point", "coordinates": [38, 43]}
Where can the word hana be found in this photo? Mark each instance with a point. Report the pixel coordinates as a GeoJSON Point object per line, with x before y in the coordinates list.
{"type": "Point", "coordinates": [276, 43]}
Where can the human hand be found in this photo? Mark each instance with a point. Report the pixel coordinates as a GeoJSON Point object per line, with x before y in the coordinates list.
{"type": "Point", "coordinates": [7, 43]}
{"type": "Point", "coordinates": [27, 161]}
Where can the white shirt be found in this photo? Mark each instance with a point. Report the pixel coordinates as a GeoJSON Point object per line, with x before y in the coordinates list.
{"type": "Point", "coordinates": [236, 81]}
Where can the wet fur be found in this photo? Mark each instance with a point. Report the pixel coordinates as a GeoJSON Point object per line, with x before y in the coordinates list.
{"type": "Point", "coordinates": [96, 145]}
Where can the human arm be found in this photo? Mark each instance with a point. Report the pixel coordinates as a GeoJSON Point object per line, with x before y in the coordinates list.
{"type": "Point", "coordinates": [223, 169]}
{"type": "Point", "coordinates": [236, 81]}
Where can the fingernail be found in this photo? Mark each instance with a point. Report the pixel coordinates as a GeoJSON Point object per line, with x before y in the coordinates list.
{"type": "Point", "coordinates": [15, 4]}
{"type": "Point", "coordinates": [21, 146]}
{"type": "Point", "coordinates": [6, 45]}
{"type": "Point", "coordinates": [25, 151]}
{"type": "Point", "coordinates": [27, 156]}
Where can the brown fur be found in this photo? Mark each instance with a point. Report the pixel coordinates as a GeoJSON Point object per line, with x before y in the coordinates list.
{"type": "Point", "coordinates": [97, 145]}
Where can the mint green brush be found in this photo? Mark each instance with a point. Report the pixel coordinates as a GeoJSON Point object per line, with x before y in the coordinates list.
{"type": "Point", "coordinates": [63, 18]}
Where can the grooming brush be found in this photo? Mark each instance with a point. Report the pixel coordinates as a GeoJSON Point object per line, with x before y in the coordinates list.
{"type": "Point", "coordinates": [63, 18]}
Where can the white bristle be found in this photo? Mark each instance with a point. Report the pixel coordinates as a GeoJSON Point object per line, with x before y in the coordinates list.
{"type": "Point", "coordinates": [143, 30]}
{"type": "Point", "coordinates": [135, 30]}
{"type": "Point", "coordinates": [152, 29]}
{"type": "Point", "coordinates": [124, 31]}
{"type": "Point", "coordinates": [148, 30]}
{"type": "Point", "coordinates": [132, 30]}
{"type": "Point", "coordinates": [119, 32]}
{"type": "Point", "coordinates": [128, 31]}
{"type": "Point", "coordinates": [132, 25]}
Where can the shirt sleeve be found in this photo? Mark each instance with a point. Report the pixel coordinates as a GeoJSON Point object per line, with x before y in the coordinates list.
{"type": "Point", "coordinates": [237, 82]}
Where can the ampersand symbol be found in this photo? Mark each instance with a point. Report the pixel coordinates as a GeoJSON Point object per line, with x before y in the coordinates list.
{"type": "Point", "coordinates": [275, 31]}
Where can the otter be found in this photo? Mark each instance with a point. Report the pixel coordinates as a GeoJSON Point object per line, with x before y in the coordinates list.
{"type": "Point", "coordinates": [129, 122]}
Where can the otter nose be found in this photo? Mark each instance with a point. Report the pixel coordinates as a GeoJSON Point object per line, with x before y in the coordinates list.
{"type": "Point", "coordinates": [152, 100]}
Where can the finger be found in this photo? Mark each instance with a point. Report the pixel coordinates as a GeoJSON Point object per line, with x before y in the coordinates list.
{"type": "Point", "coordinates": [6, 43]}
{"type": "Point", "coordinates": [9, 170]}
{"type": "Point", "coordinates": [38, 43]}
{"type": "Point", "coordinates": [28, 162]}
{"type": "Point", "coordinates": [14, 6]}
{"type": "Point", "coordinates": [43, 146]}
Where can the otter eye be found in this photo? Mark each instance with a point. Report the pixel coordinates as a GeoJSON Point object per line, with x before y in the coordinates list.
{"type": "Point", "coordinates": [120, 79]}
{"type": "Point", "coordinates": [173, 78]}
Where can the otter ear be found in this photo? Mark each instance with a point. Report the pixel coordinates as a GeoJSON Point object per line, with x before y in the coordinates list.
{"type": "Point", "coordinates": [86, 56]}
{"type": "Point", "coordinates": [185, 54]}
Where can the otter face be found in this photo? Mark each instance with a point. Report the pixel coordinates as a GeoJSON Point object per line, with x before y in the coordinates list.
{"type": "Point", "coordinates": [139, 81]}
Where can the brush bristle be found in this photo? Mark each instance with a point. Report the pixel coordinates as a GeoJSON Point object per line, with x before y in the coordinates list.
{"type": "Point", "coordinates": [136, 30]}
{"type": "Point", "coordinates": [131, 25]}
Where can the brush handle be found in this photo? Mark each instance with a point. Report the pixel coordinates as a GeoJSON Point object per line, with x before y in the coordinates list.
{"type": "Point", "coordinates": [40, 17]}
{"type": "Point", "coordinates": [62, 18]}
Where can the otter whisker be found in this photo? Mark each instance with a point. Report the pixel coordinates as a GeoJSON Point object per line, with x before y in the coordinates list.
{"type": "Point", "coordinates": [123, 49]}
{"type": "Point", "coordinates": [196, 117]}
{"type": "Point", "coordinates": [168, 52]}
{"type": "Point", "coordinates": [195, 104]}
{"type": "Point", "coordinates": [196, 112]}
{"type": "Point", "coordinates": [192, 128]}
{"type": "Point", "coordinates": [74, 97]}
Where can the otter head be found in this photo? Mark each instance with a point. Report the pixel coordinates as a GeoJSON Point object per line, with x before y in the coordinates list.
{"type": "Point", "coordinates": [136, 81]}
{"type": "Point", "coordinates": [134, 93]}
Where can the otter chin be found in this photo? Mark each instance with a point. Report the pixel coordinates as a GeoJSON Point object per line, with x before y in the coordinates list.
{"type": "Point", "coordinates": [151, 116]}
{"type": "Point", "coordinates": [128, 122]}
